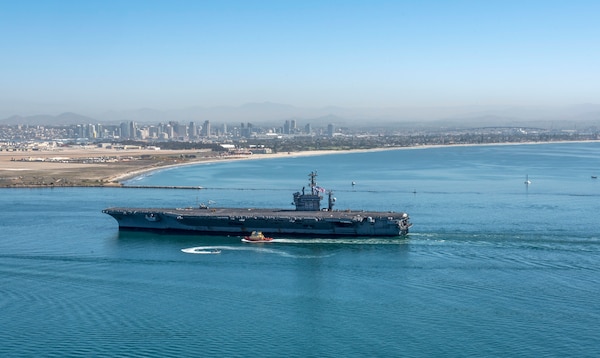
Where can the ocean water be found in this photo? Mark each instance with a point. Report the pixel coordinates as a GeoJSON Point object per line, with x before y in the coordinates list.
{"type": "Point", "coordinates": [492, 267]}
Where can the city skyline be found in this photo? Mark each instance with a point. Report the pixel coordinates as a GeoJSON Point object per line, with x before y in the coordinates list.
{"type": "Point", "coordinates": [94, 57]}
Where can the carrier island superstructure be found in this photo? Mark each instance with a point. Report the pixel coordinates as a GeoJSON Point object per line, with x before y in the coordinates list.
{"type": "Point", "coordinates": [308, 218]}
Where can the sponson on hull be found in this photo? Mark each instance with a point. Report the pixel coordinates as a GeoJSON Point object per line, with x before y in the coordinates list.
{"type": "Point", "coordinates": [308, 219]}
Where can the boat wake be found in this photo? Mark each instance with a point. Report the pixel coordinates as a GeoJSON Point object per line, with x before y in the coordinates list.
{"type": "Point", "coordinates": [206, 250]}
{"type": "Point", "coordinates": [344, 241]}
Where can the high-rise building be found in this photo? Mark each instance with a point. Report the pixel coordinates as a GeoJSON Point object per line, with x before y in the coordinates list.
{"type": "Point", "coordinates": [153, 132]}
{"type": "Point", "coordinates": [132, 130]}
{"type": "Point", "coordinates": [245, 131]}
{"type": "Point", "coordinates": [79, 131]}
{"type": "Point", "coordinates": [90, 131]}
{"type": "Point", "coordinates": [125, 133]}
{"type": "Point", "coordinates": [206, 129]}
{"type": "Point", "coordinates": [307, 128]}
{"type": "Point", "coordinates": [179, 130]}
{"type": "Point", "coordinates": [330, 129]}
{"type": "Point", "coordinates": [168, 130]}
{"type": "Point", "coordinates": [193, 130]}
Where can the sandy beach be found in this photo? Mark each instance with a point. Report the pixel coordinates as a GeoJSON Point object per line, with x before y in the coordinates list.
{"type": "Point", "coordinates": [93, 166]}
{"type": "Point", "coordinates": [103, 167]}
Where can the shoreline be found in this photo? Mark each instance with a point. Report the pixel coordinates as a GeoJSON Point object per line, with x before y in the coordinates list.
{"type": "Point", "coordinates": [43, 174]}
{"type": "Point", "coordinates": [133, 174]}
{"type": "Point", "coordinates": [141, 171]}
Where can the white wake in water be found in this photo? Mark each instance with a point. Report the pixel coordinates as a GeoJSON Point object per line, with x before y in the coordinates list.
{"type": "Point", "coordinates": [202, 250]}
{"type": "Point", "coordinates": [207, 250]}
{"type": "Point", "coordinates": [344, 241]}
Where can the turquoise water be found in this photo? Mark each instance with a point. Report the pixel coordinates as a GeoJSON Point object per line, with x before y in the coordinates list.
{"type": "Point", "coordinates": [492, 267]}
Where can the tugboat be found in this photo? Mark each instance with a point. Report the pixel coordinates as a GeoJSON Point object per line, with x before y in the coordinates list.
{"type": "Point", "coordinates": [257, 236]}
{"type": "Point", "coordinates": [308, 219]}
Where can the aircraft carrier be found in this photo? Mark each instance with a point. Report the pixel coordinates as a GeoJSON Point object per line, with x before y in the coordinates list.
{"type": "Point", "coordinates": [308, 219]}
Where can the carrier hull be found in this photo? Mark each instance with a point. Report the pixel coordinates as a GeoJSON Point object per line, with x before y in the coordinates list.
{"type": "Point", "coordinates": [232, 221]}
{"type": "Point", "coordinates": [308, 219]}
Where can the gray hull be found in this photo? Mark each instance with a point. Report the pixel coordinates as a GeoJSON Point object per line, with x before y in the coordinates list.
{"type": "Point", "coordinates": [232, 221]}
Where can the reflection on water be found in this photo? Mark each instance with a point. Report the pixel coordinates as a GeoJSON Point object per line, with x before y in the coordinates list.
{"type": "Point", "coordinates": [490, 268]}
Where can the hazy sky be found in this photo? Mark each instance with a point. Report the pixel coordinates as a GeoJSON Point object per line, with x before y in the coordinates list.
{"type": "Point", "coordinates": [87, 55]}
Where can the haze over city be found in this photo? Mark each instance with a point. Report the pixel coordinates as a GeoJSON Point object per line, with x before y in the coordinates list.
{"type": "Point", "coordinates": [377, 59]}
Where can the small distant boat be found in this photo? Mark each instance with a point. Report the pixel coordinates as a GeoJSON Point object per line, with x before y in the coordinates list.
{"type": "Point", "coordinates": [527, 181]}
{"type": "Point", "coordinates": [594, 177]}
{"type": "Point", "coordinates": [257, 236]}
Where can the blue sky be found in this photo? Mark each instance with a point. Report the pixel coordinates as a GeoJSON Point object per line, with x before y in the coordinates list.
{"type": "Point", "coordinates": [112, 55]}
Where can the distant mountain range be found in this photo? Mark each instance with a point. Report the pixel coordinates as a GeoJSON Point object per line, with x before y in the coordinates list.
{"type": "Point", "coordinates": [275, 114]}
{"type": "Point", "coordinates": [46, 119]}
